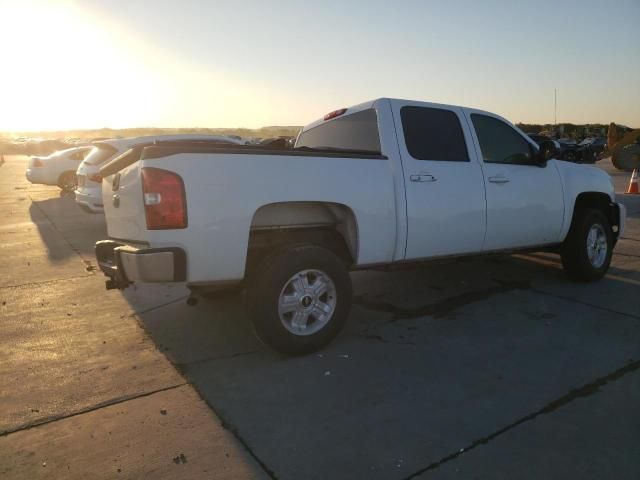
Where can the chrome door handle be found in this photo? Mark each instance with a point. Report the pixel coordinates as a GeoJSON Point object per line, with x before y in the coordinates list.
{"type": "Point", "coordinates": [498, 179]}
{"type": "Point", "coordinates": [423, 177]}
{"type": "Point", "coordinates": [115, 183]}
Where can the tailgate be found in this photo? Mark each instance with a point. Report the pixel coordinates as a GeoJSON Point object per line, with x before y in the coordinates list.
{"type": "Point", "coordinates": [123, 200]}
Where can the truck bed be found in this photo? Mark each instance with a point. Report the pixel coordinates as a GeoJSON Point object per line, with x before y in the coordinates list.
{"type": "Point", "coordinates": [229, 192]}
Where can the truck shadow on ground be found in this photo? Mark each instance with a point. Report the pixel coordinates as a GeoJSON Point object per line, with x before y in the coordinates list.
{"type": "Point", "coordinates": [65, 229]}
{"type": "Point", "coordinates": [431, 360]}
{"type": "Point", "coordinates": [218, 329]}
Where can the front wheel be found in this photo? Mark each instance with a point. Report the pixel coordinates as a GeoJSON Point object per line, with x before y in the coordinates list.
{"type": "Point", "coordinates": [586, 252]}
{"type": "Point", "coordinates": [299, 298]}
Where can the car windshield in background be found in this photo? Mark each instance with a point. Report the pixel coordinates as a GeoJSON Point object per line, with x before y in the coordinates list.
{"type": "Point", "coordinates": [99, 154]}
{"type": "Point", "coordinates": [355, 132]}
{"type": "Point", "coordinates": [62, 152]}
{"type": "Point", "coordinates": [538, 138]}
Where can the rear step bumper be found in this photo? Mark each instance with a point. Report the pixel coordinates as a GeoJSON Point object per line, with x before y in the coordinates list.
{"type": "Point", "coordinates": [124, 264]}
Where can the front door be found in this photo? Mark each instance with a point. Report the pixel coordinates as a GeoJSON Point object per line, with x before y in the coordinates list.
{"type": "Point", "coordinates": [443, 181]}
{"type": "Point", "coordinates": [524, 198]}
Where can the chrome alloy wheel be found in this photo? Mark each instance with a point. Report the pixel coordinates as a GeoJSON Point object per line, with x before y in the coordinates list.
{"type": "Point", "coordinates": [307, 302]}
{"type": "Point", "coordinates": [597, 245]}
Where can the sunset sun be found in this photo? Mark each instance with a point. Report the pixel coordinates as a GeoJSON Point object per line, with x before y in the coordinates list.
{"type": "Point", "coordinates": [67, 69]}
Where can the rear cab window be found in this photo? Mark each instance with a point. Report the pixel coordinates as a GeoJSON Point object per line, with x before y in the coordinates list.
{"type": "Point", "coordinates": [355, 132]}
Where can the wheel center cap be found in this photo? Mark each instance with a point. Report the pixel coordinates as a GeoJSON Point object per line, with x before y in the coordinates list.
{"type": "Point", "coordinates": [306, 301]}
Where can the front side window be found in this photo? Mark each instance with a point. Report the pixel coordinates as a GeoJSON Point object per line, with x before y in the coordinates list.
{"type": "Point", "coordinates": [355, 132]}
{"type": "Point", "coordinates": [433, 134]}
{"type": "Point", "coordinates": [500, 143]}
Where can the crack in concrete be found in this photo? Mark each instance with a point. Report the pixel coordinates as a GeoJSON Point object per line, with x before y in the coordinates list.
{"type": "Point", "coordinates": [580, 392]}
{"type": "Point", "coordinates": [44, 282]}
{"type": "Point", "coordinates": [227, 425]}
{"type": "Point", "coordinates": [184, 366]}
{"type": "Point", "coordinates": [156, 307]}
{"type": "Point", "coordinates": [234, 431]}
{"type": "Point", "coordinates": [97, 406]}
{"type": "Point", "coordinates": [626, 254]}
{"type": "Point", "coordinates": [586, 304]}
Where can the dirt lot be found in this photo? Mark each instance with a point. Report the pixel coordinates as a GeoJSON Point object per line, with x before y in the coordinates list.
{"type": "Point", "coordinates": [484, 368]}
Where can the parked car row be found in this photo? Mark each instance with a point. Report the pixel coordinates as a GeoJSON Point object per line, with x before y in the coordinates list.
{"type": "Point", "coordinates": [78, 169]}
{"type": "Point", "coordinates": [587, 151]}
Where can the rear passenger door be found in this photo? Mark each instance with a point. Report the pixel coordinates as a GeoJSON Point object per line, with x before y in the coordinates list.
{"type": "Point", "coordinates": [443, 181]}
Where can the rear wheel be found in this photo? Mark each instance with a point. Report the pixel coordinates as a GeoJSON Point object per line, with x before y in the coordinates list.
{"type": "Point", "coordinates": [569, 156]}
{"type": "Point", "coordinates": [299, 298]}
{"type": "Point", "coordinates": [68, 181]}
{"type": "Point", "coordinates": [586, 252]}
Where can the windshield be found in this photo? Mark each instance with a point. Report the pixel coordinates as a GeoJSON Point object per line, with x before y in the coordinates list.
{"type": "Point", "coordinates": [99, 154]}
{"type": "Point", "coordinates": [62, 152]}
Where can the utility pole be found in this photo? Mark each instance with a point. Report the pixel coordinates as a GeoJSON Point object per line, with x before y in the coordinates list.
{"type": "Point", "coordinates": [555, 107]}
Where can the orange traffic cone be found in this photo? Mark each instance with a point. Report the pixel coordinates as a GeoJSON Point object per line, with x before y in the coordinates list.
{"type": "Point", "coordinates": [633, 184]}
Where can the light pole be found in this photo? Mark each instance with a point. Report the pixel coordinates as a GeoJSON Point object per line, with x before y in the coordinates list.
{"type": "Point", "coordinates": [555, 107]}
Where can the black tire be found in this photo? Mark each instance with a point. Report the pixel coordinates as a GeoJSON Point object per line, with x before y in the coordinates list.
{"type": "Point", "coordinates": [574, 250]}
{"type": "Point", "coordinates": [569, 156]}
{"type": "Point", "coordinates": [68, 181]}
{"type": "Point", "coordinates": [275, 273]}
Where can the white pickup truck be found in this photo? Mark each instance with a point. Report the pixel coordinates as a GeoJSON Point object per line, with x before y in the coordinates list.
{"type": "Point", "coordinates": [381, 183]}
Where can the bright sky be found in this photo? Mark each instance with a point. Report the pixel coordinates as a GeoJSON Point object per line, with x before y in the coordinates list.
{"type": "Point", "coordinates": [250, 63]}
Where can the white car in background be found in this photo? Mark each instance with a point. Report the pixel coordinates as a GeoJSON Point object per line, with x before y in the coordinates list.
{"type": "Point", "coordinates": [59, 168]}
{"type": "Point", "coordinates": [89, 182]}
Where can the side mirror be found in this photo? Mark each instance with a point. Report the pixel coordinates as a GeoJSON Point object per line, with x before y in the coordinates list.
{"type": "Point", "coordinates": [547, 151]}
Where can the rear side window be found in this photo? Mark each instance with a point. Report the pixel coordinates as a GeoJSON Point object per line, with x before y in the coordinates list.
{"type": "Point", "coordinates": [433, 134]}
{"type": "Point", "coordinates": [500, 143]}
{"type": "Point", "coordinates": [357, 131]}
{"type": "Point", "coordinates": [99, 154]}
{"type": "Point", "coordinates": [79, 155]}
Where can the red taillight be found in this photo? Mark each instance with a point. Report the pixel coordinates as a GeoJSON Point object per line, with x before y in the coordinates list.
{"type": "Point", "coordinates": [165, 204]}
{"type": "Point", "coordinates": [36, 162]}
{"type": "Point", "coordinates": [334, 114]}
{"type": "Point", "coordinates": [94, 177]}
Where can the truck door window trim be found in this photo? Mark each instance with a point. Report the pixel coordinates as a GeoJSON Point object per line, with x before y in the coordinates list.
{"type": "Point", "coordinates": [433, 134]}
{"type": "Point", "coordinates": [486, 152]}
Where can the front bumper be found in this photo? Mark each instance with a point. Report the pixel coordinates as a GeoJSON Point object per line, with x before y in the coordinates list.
{"type": "Point", "coordinates": [125, 264]}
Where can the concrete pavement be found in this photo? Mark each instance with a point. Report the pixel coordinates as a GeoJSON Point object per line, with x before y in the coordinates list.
{"type": "Point", "coordinates": [85, 393]}
{"type": "Point", "coordinates": [478, 368]}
